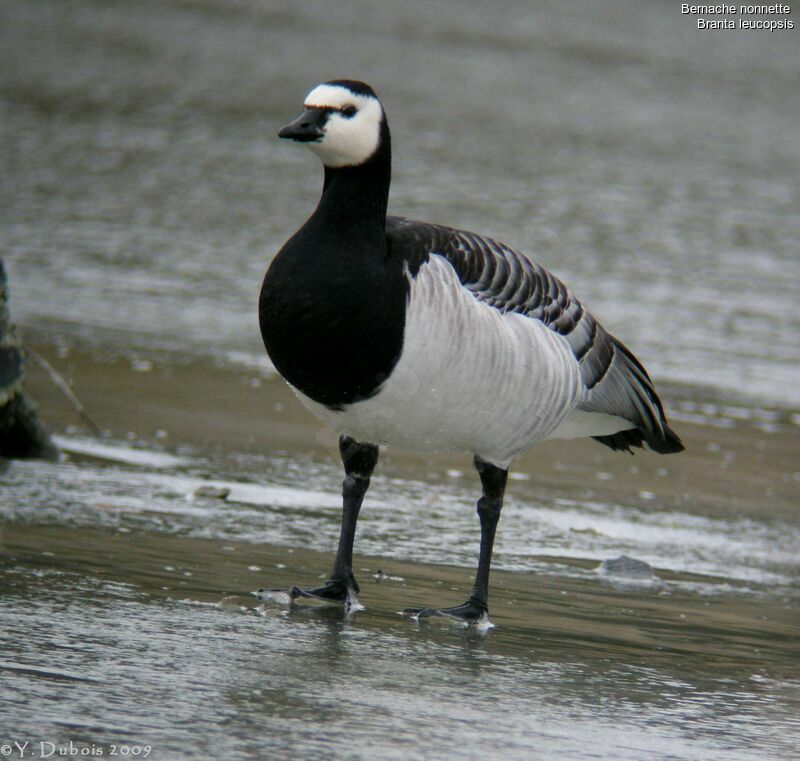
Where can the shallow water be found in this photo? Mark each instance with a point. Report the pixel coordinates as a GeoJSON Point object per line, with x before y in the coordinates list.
{"type": "Point", "coordinates": [265, 683]}
{"type": "Point", "coordinates": [142, 194]}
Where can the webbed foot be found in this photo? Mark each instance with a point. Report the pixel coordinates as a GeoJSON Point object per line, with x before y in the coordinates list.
{"type": "Point", "coordinates": [473, 611]}
{"type": "Point", "coordinates": [337, 591]}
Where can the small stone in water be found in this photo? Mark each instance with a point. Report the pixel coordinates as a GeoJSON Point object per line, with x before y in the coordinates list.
{"type": "Point", "coordinates": [626, 567]}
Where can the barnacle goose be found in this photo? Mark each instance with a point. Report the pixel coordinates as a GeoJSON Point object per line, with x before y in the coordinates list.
{"type": "Point", "coordinates": [426, 337]}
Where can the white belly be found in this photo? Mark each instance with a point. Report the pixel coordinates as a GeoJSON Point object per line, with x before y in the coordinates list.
{"type": "Point", "coordinates": [469, 378]}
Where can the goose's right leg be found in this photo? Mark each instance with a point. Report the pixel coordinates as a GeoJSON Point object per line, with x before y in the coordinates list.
{"type": "Point", "coordinates": [476, 608]}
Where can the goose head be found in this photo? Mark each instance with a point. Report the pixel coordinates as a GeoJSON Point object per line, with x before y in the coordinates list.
{"type": "Point", "coordinates": [342, 122]}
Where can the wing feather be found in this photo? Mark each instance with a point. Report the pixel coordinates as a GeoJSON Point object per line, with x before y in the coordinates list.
{"type": "Point", "coordinates": [510, 282]}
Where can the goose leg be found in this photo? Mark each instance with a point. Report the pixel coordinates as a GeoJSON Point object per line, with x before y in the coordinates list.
{"type": "Point", "coordinates": [493, 481]}
{"type": "Point", "coordinates": [359, 461]}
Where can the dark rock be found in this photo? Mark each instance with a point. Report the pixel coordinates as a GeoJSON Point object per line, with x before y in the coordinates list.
{"type": "Point", "coordinates": [21, 432]}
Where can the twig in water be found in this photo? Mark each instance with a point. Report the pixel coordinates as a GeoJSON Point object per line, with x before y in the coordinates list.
{"type": "Point", "coordinates": [59, 381]}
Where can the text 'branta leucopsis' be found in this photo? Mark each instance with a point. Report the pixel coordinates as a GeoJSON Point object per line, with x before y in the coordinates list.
{"type": "Point", "coordinates": [398, 332]}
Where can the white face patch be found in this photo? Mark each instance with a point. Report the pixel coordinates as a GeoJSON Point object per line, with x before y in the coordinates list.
{"type": "Point", "coordinates": [347, 140]}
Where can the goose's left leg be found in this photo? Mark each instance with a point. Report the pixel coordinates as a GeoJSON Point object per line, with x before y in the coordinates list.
{"type": "Point", "coordinates": [493, 481]}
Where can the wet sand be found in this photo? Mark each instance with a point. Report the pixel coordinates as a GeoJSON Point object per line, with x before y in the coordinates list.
{"type": "Point", "coordinates": [741, 460]}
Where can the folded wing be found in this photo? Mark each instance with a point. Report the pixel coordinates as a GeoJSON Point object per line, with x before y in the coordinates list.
{"type": "Point", "coordinates": [615, 382]}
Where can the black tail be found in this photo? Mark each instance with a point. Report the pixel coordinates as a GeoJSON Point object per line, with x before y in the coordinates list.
{"type": "Point", "coordinates": [628, 392]}
{"type": "Point", "coordinates": [637, 437]}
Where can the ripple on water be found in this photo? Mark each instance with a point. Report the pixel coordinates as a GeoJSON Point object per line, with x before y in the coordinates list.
{"type": "Point", "coordinates": [115, 485]}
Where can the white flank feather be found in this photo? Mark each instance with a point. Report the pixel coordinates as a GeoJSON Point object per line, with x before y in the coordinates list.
{"type": "Point", "coordinates": [469, 378]}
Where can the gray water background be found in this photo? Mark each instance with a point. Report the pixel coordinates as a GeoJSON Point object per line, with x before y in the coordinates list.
{"type": "Point", "coordinates": [654, 167]}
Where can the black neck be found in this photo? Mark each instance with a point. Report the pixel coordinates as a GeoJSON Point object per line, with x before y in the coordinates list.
{"type": "Point", "coordinates": [333, 304]}
{"type": "Point", "coordinates": [356, 198]}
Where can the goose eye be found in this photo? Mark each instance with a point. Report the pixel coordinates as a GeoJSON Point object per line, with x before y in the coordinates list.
{"type": "Point", "coordinates": [349, 112]}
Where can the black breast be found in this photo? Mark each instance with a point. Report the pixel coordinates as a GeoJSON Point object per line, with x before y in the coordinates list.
{"type": "Point", "coordinates": [332, 316]}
